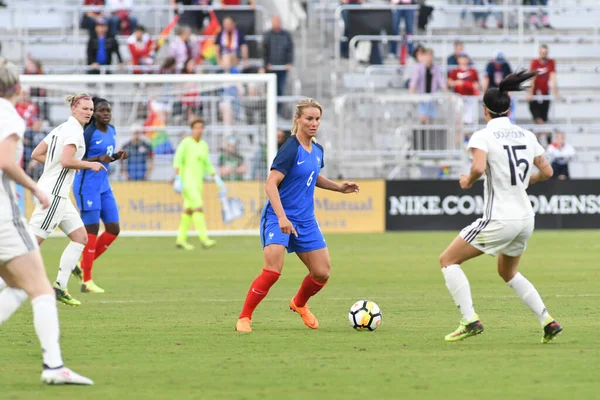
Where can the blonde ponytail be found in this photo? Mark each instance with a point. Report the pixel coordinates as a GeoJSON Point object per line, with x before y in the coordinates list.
{"type": "Point", "coordinates": [9, 79]}
{"type": "Point", "coordinates": [300, 107]}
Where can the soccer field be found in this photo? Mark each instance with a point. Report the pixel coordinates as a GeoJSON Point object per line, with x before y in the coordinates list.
{"type": "Point", "coordinates": [164, 329]}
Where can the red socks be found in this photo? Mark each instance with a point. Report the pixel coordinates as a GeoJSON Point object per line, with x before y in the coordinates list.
{"type": "Point", "coordinates": [308, 289]}
{"type": "Point", "coordinates": [258, 290]}
{"type": "Point", "coordinates": [95, 247]}
{"type": "Point", "coordinates": [88, 257]}
{"type": "Point", "coordinates": [104, 241]}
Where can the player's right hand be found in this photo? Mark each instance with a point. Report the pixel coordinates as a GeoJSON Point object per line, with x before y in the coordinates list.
{"type": "Point", "coordinates": [286, 227]}
{"type": "Point", "coordinates": [42, 198]}
{"type": "Point", "coordinates": [96, 166]}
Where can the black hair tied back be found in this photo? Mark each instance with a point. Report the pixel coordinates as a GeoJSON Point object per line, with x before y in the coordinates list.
{"type": "Point", "coordinates": [497, 100]}
{"type": "Point", "coordinates": [512, 83]}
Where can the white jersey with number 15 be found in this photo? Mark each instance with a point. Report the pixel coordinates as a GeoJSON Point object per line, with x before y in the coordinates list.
{"type": "Point", "coordinates": [510, 153]}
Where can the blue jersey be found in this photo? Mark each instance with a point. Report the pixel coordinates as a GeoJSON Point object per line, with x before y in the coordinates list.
{"type": "Point", "coordinates": [297, 189]}
{"type": "Point", "coordinates": [97, 143]}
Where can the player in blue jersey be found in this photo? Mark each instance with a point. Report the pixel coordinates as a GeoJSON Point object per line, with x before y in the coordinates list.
{"type": "Point", "coordinates": [94, 196]}
{"type": "Point", "coordinates": [288, 219]}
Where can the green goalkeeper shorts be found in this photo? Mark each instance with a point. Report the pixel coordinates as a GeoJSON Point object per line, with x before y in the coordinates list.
{"type": "Point", "coordinates": [192, 198]}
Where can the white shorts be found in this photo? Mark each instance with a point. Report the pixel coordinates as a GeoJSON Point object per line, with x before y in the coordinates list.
{"type": "Point", "coordinates": [15, 239]}
{"type": "Point", "coordinates": [61, 214]}
{"type": "Point", "coordinates": [493, 237]}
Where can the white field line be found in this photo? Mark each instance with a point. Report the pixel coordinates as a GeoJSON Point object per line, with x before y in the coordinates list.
{"type": "Point", "coordinates": [348, 299]}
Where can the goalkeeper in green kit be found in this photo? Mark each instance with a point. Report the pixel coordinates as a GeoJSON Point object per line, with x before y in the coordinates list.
{"type": "Point", "coordinates": [192, 163]}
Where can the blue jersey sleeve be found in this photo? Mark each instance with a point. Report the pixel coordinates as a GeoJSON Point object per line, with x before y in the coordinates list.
{"type": "Point", "coordinates": [87, 137]}
{"type": "Point", "coordinates": [286, 156]}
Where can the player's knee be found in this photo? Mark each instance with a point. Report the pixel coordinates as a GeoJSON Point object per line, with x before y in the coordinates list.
{"type": "Point", "coordinates": [444, 260]}
{"type": "Point", "coordinates": [321, 274]}
{"type": "Point", "coordinates": [113, 229]}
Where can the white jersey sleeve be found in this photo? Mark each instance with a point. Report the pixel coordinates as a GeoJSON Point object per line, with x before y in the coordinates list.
{"type": "Point", "coordinates": [477, 141]}
{"type": "Point", "coordinates": [56, 179]}
{"type": "Point", "coordinates": [11, 123]}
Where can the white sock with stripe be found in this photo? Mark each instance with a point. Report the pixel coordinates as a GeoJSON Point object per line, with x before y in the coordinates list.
{"type": "Point", "coordinates": [530, 296]}
{"type": "Point", "coordinates": [460, 290]}
{"type": "Point", "coordinates": [45, 320]}
{"type": "Point", "coordinates": [68, 261]}
{"type": "Point", "coordinates": [10, 301]}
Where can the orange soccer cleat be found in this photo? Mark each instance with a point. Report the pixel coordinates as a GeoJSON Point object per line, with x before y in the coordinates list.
{"type": "Point", "coordinates": [307, 317]}
{"type": "Point", "coordinates": [243, 325]}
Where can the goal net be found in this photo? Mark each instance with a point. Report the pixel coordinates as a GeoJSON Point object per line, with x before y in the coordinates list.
{"type": "Point", "coordinates": [151, 115]}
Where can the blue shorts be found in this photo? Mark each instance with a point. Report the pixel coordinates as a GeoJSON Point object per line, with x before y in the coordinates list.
{"type": "Point", "coordinates": [310, 237]}
{"type": "Point", "coordinates": [96, 206]}
{"type": "Point", "coordinates": [427, 109]}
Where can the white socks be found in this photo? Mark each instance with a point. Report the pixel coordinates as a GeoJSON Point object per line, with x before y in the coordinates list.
{"type": "Point", "coordinates": [68, 261]}
{"type": "Point", "coordinates": [10, 301]}
{"type": "Point", "coordinates": [530, 296]}
{"type": "Point", "coordinates": [458, 285]}
{"type": "Point", "coordinates": [2, 284]}
{"type": "Point", "coordinates": [45, 320]}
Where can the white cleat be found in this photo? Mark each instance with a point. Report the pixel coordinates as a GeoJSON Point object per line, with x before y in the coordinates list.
{"type": "Point", "coordinates": [64, 376]}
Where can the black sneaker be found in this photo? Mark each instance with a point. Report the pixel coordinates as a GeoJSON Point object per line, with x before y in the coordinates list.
{"type": "Point", "coordinates": [78, 273]}
{"type": "Point", "coordinates": [551, 331]}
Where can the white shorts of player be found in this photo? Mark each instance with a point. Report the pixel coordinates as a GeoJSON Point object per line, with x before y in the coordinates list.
{"type": "Point", "coordinates": [15, 239]}
{"type": "Point", "coordinates": [61, 214]}
{"type": "Point", "coordinates": [493, 237]}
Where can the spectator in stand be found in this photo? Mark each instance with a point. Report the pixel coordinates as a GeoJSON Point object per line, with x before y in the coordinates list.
{"type": "Point", "coordinates": [226, 3]}
{"type": "Point", "coordinates": [231, 41]}
{"type": "Point", "coordinates": [89, 19]}
{"type": "Point", "coordinates": [464, 80]}
{"type": "Point", "coordinates": [480, 18]}
{"type": "Point", "coordinates": [140, 160]}
{"type": "Point", "coordinates": [32, 137]}
{"type": "Point", "coordinates": [560, 154]}
{"type": "Point", "coordinates": [409, 24]}
{"type": "Point", "coordinates": [231, 162]}
{"type": "Point", "coordinates": [26, 108]}
{"type": "Point", "coordinates": [452, 61]}
{"type": "Point", "coordinates": [427, 78]}
{"type": "Point", "coordinates": [121, 21]}
{"type": "Point", "coordinates": [282, 136]}
{"type": "Point", "coordinates": [278, 50]}
{"type": "Point", "coordinates": [169, 66]}
{"type": "Point", "coordinates": [34, 67]}
{"type": "Point", "coordinates": [230, 105]}
{"type": "Point", "coordinates": [541, 14]}
{"type": "Point", "coordinates": [411, 64]}
{"type": "Point", "coordinates": [495, 71]}
{"type": "Point", "coordinates": [101, 47]}
{"type": "Point", "coordinates": [545, 78]}
{"type": "Point", "coordinates": [142, 48]}
{"type": "Point", "coordinates": [183, 48]}
{"type": "Point", "coordinates": [194, 19]}
{"type": "Point", "coordinates": [345, 46]}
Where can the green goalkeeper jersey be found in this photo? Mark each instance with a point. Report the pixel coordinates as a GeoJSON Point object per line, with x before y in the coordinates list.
{"type": "Point", "coordinates": [193, 161]}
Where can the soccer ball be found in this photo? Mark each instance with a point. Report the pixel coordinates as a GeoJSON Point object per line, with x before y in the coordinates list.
{"type": "Point", "coordinates": [365, 315]}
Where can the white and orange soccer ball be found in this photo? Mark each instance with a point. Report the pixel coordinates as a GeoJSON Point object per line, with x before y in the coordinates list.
{"type": "Point", "coordinates": [365, 315]}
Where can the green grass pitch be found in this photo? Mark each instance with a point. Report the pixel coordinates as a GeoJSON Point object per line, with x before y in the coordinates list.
{"type": "Point", "coordinates": [164, 328]}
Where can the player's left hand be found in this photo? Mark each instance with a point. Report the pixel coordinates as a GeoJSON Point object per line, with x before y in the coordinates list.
{"type": "Point", "coordinates": [465, 182]}
{"type": "Point", "coordinates": [120, 155]}
{"type": "Point", "coordinates": [349, 187]}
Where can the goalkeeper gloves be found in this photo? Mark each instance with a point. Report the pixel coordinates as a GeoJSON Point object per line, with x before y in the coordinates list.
{"type": "Point", "coordinates": [177, 184]}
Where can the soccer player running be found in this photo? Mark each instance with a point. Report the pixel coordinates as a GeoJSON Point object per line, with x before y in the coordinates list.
{"type": "Point", "coordinates": [94, 195]}
{"type": "Point", "coordinates": [504, 153]}
{"type": "Point", "coordinates": [192, 163]}
{"type": "Point", "coordinates": [61, 152]}
{"type": "Point", "coordinates": [288, 219]}
{"type": "Point", "coordinates": [21, 264]}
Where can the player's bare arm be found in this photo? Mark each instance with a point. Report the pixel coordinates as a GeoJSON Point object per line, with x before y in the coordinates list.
{"type": "Point", "coordinates": [39, 153]}
{"type": "Point", "coordinates": [477, 169]}
{"type": "Point", "coordinates": [68, 160]}
{"type": "Point", "coordinates": [272, 189]}
{"type": "Point", "coordinates": [345, 187]}
{"type": "Point", "coordinates": [545, 170]}
{"type": "Point", "coordinates": [8, 165]}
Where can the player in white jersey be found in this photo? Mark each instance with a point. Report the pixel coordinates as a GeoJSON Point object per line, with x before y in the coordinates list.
{"type": "Point", "coordinates": [505, 154]}
{"type": "Point", "coordinates": [62, 152]}
{"type": "Point", "coordinates": [21, 264]}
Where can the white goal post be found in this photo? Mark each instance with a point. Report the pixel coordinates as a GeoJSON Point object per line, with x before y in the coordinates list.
{"type": "Point", "coordinates": [153, 112]}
